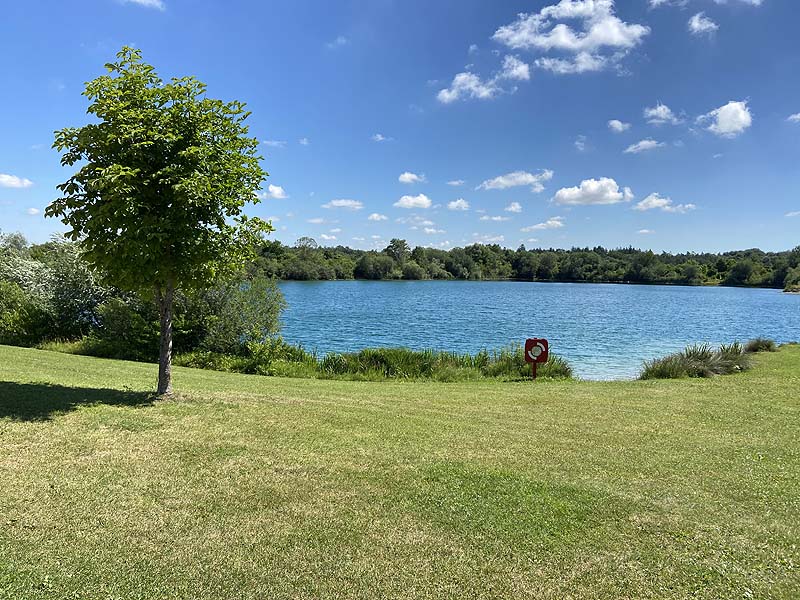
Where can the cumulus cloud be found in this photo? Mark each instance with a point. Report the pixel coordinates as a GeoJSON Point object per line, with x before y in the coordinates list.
{"type": "Point", "coordinates": [338, 42]}
{"type": "Point", "coordinates": [157, 4]}
{"type": "Point", "coordinates": [514, 207]}
{"type": "Point", "coordinates": [551, 223]}
{"type": "Point", "coordinates": [587, 29]}
{"type": "Point", "coordinates": [794, 213]}
{"type": "Point", "coordinates": [345, 204]}
{"type": "Point", "coordinates": [377, 217]}
{"type": "Point", "coordinates": [643, 146]}
{"type": "Point", "coordinates": [408, 177]}
{"type": "Point", "coordinates": [12, 181]}
{"type": "Point", "coordinates": [728, 121]}
{"type": "Point", "coordinates": [275, 143]}
{"type": "Point", "coordinates": [497, 219]}
{"type": "Point", "coordinates": [593, 191]}
{"type": "Point", "coordinates": [274, 192]}
{"type": "Point", "coordinates": [795, 118]}
{"type": "Point", "coordinates": [420, 201]}
{"type": "Point", "coordinates": [327, 238]}
{"type": "Point", "coordinates": [700, 24]}
{"type": "Point", "coordinates": [459, 204]}
{"type": "Point", "coordinates": [456, 182]}
{"type": "Point", "coordinates": [518, 178]}
{"type": "Point", "coordinates": [468, 85]}
{"type": "Point", "coordinates": [379, 137]}
{"type": "Point", "coordinates": [514, 69]}
{"type": "Point", "coordinates": [586, 34]}
{"type": "Point", "coordinates": [660, 114]}
{"type": "Point", "coordinates": [645, 231]}
{"type": "Point", "coordinates": [33, 211]}
{"type": "Point", "coordinates": [580, 143]}
{"type": "Point", "coordinates": [656, 202]}
{"type": "Point", "coordinates": [433, 230]}
{"type": "Point", "coordinates": [618, 126]}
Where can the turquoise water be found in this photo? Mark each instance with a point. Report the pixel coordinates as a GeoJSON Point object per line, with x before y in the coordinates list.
{"type": "Point", "coordinates": [605, 331]}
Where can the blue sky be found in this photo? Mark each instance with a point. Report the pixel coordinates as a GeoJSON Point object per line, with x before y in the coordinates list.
{"type": "Point", "coordinates": [664, 124]}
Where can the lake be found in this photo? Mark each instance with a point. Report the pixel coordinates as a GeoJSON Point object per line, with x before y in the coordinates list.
{"type": "Point", "coordinates": [604, 330]}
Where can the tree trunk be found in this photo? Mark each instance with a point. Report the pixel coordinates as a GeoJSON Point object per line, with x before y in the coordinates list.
{"type": "Point", "coordinates": [164, 297]}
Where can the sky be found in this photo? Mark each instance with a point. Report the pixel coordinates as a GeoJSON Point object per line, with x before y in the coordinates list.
{"type": "Point", "coordinates": [665, 124]}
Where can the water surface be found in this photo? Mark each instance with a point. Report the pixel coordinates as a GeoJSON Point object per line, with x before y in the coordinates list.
{"type": "Point", "coordinates": [604, 330]}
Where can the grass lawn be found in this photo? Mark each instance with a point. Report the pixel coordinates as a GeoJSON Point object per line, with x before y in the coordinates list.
{"type": "Point", "coordinates": [249, 487]}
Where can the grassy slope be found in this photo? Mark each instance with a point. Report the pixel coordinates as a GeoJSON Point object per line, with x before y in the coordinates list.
{"type": "Point", "coordinates": [252, 487]}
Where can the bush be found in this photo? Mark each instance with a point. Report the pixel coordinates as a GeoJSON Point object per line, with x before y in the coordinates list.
{"type": "Point", "coordinates": [760, 345]}
{"type": "Point", "coordinates": [23, 322]}
{"type": "Point", "coordinates": [123, 333]}
{"type": "Point", "coordinates": [699, 360]}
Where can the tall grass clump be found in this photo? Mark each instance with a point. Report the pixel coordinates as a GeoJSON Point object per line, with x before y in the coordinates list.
{"type": "Point", "coordinates": [699, 360]}
{"type": "Point", "coordinates": [401, 363]}
{"type": "Point", "coordinates": [760, 345]}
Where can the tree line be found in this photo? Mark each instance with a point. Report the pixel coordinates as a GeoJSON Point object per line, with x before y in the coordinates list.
{"type": "Point", "coordinates": [308, 261]}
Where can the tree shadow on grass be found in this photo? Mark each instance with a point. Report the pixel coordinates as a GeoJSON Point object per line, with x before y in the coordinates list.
{"type": "Point", "coordinates": [43, 401]}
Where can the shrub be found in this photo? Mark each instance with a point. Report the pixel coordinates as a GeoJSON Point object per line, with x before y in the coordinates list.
{"type": "Point", "coordinates": [699, 360]}
{"type": "Point", "coordinates": [760, 345]}
{"type": "Point", "coordinates": [123, 333]}
{"type": "Point", "coordinates": [23, 321]}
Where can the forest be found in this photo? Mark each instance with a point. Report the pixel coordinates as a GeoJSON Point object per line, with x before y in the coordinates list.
{"type": "Point", "coordinates": [307, 260]}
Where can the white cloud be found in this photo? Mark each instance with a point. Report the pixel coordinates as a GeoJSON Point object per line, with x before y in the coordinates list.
{"type": "Point", "coordinates": [655, 201]}
{"type": "Point", "coordinates": [433, 230]}
{"type": "Point", "coordinates": [488, 239]}
{"type": "Point", "coordinates": [593, 191]}
{"type": "Point", "coordinates": [316, 221]}
{"type": "Point", "coordinates": [794, 213]}
{"type": "Point", "coordinates": [600, 39]}
{"type": "Point", "coordinates": [518, 178]}
{"type": "Point", "coordinates": [468, 85]}
{"type": "Point", "coordinates": [645, 231]}
{"type": "Point", "coordinates": [327, 238]}
{"type": "Point", "coordinates": [420, 201]}
{"type": "Point", "coordinates": [700, 24]}
{"type": "Point", "coordinates": [660, 114]}
{"type": "Point", "coordinates": [157, 4]}
{"type": "Point", "coordinates": [275, 143]}
{"type": "Point", "coordinates": [338, 42]}
{"type": "Point", "coordinates": [377, 217]}
{"type": "Point", "coordinates": [345, 204]}
{"type": "Point", "coordinates": [497, 219]}
{"type": "Point", "coordinates": [379, 137]}
{"type": "Point", "coordinates": [795, 118]}
{"type": "Point", "coordinates": [514, 207]}
{"type": "Point", "coordinates": [618, 126]}
{"type": "Point", "coordinates": [583, 62]}
{"type": "Point", "coordinates": [729, 120]}
{"type": "Point", "coordinates": [456, 182]}
{"type": "Point", "coordinates": [600, 28]}
{"type": "Point", "coordinates": [33, 211]}
{"type": "Point", "coordinates": [551, 223]}
{"type": "Point", "coordinates": [12, 181]}
{"type": "Point", "coordinates": [643, 146]}
{"type": "Point", "coordinates": [515, 69]}
{"type": "Point", "coordinates": [304, 141]}
{"type": "Point", "coordinates": [750, 2]}
{"type": "Point", "coordinates": [580, 143]}
{"type": "Point", "coordinates": [459, 204]}
{"type": "Point", "coordinates": [274, 192]}
{"type": "Point", "coordinates": [473, 49]}
{"type": "Point", "coordinates": [409, 177]}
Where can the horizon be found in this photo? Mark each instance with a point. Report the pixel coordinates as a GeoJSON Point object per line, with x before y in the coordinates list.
{"type": "Point", "coordinates": [662, 136]}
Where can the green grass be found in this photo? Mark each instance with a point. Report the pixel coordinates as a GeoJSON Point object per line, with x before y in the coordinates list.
{"type": "Point", "coordinates": [248, 487]}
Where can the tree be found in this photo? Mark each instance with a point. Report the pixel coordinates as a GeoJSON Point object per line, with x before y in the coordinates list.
{"type": "Point", "coordinates": [158, 201]}
{"type": "Point", "coordinates": [398, 249]}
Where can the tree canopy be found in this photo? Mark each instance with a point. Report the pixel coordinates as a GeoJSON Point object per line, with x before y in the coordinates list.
{"type": "Point", "coordinates": [165, 173]}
